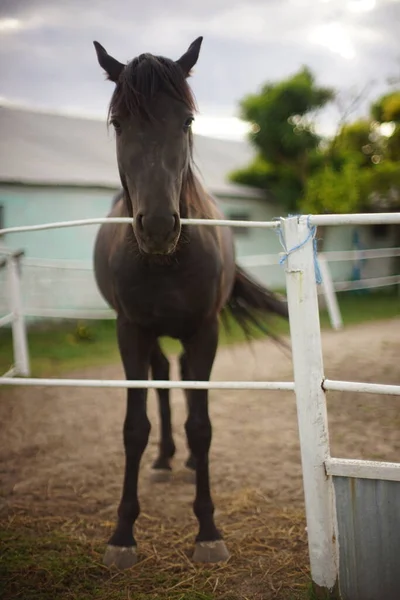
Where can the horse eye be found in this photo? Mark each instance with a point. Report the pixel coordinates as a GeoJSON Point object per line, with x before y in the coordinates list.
{"type": "Point", "coordinates": [116, 124]}
{"type": "Point", "coordinates": [187, 124]}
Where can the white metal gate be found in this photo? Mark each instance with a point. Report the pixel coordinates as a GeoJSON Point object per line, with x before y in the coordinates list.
{"type": "Point", "coordinates": [326, 479]}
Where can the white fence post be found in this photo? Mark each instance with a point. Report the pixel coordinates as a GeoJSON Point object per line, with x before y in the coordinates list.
{"type": "Point", "coordinates": [20, 344]}
{"type": "Point", "coordinates": [328, 289]}
{"type": "Point", "coordinates": [311, 406]}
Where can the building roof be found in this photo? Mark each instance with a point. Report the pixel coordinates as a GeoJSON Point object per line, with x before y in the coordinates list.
{"type": "Point", "coordinates": [52, 149]}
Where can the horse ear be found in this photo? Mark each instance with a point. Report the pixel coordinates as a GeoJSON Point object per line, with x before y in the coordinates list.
{"type": "Point", "coordinates": [112, 67]}
{"type": "Point", "coordinates": [189, 59]}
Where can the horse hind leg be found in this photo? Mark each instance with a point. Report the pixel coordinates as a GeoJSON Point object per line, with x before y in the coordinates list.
{"type": "Point", "coordinates": [161, 468]}
{"type": "Point", "coordinates": [190, 461]}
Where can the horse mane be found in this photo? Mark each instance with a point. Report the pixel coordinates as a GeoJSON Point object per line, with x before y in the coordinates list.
{"type": "Point", "coordinates": [140, 81]}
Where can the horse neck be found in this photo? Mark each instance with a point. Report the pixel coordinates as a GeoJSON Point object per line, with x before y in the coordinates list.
{"type": "Point", "coordinates": [195, 202]}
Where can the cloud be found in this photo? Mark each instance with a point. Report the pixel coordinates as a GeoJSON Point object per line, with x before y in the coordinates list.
{"type": "Point", "coordinates": [47, 57]}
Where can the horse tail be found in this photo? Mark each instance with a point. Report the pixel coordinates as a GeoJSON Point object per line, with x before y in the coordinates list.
{"type": "Point", "coordinates": [250, 303]}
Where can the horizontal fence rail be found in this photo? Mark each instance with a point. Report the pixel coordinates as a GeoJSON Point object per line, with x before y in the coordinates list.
{"type": "Point", "coordinates": [365, 284]}
{"type": "Point", "coordinates": [365, 469]}
{"type": "Point", "coordinates": [327, 385]}
{"type": "Point", "coordinates": [356, 219]}
{"type": "Point", "coordinates": [249, 260]}
{"type": "Point", "coordinates": [338, 255]}
{"type": "Point", "coordinates": [100, 221]}
{"type": "Point", "coordinates": [70, 313]}
{"type": "Point", "coordinates": [58, 264]}
{"type": "Point", "coordinates": [153, 384]}
{"type": "Point", "coordinates": [261, 260]}
{"type": "Point", "coordinates": [364, 388]}
{"type": "Point", "coordinates": [352, 219]}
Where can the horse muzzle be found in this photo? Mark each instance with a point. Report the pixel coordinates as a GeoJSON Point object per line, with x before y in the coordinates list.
{"type": "Point", "coordinates": [157, 234]}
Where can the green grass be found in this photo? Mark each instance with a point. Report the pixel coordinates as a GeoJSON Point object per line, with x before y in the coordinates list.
{"type": "Point", "coordinates": [55, 349]}
{"type": "Point", "coordinates": [50, 565]}
{"type": "Point", "coordinates": [56, 558]}
{"type": "Point", "coordinates": [366, 307]}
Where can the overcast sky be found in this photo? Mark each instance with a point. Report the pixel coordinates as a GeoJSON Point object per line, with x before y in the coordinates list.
{"type": "Point", "coordinates": [47, 58]}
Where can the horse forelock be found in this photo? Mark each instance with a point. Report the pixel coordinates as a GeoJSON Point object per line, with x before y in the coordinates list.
{"type": "Point", "coordinates": [143, 78]}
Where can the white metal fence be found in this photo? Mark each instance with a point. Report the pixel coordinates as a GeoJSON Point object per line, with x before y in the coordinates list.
{"type": "Point", "coordinates": [310, 385]}
{"type": "Point", "coordinates": [328, 287]}
{"type": "Point", "coordinates": [11, 262]}
{"type": "Point", "coordinates": [59, 289]}
{"type": "Point", "coordinates": [66, 289]}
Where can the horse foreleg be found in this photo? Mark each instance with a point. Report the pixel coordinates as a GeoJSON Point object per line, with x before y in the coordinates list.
{"type": "Point", "coordinates": [200, 353]}
{"type": "Point", "coordinates": [135, 348]}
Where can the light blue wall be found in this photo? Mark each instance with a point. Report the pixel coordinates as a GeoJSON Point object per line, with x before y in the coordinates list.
{"type": "Point", "coordinates": [254, 241]}
{"type": "Point", "coordinates": [51, 287]}
{"type": "Point", "coordinates": [257, 241]}
{"type": "Point", "coordinates": [24, 205]}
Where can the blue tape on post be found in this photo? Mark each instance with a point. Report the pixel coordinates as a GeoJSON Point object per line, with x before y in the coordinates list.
{"type": "Point", "coordinates": [312, 231]}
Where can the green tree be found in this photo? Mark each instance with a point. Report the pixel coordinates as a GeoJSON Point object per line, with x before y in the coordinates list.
{"type": "Point", "coordinates": [331, 190]}
{"type": "Point", "coordinates": [381, 187]}
{"type": "Point", "coordinates": [362, 165]}
{"type": "Point", "coordinates": [359, 142]}
{"type": "Point", "coordinates": [356, 171]}
{"type": "Point", "coordinates": [284, 136]}
{"type": "Point", "coordinates": [393, 145]}
{"type": "Point", "coordinates": [387, 108]}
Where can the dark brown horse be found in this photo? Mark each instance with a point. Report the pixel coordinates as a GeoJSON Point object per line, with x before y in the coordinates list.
{"type": "Point", "coordinates": [165, 279]}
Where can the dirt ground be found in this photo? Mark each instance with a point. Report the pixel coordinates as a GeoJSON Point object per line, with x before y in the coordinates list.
{"type": "Point", "coordinates": [61, 449]}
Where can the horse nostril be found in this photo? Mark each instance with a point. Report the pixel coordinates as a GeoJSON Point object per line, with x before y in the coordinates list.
{"type": "Point", "coordinates": [139, 222]}
{"type": "Point", "coordinates": [177, 222]}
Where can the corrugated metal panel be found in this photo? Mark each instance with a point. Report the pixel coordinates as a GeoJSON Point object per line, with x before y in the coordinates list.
{"type": "Point", "coordinates": [368, 513]}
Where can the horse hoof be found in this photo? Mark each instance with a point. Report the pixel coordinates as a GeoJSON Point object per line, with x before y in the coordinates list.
{"type": "Point", "coordinates": [160, 475]}
{"type": "Point", "coordinates": [120, 557]}
{"type": "Point", "coordinates": [210, 552]}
